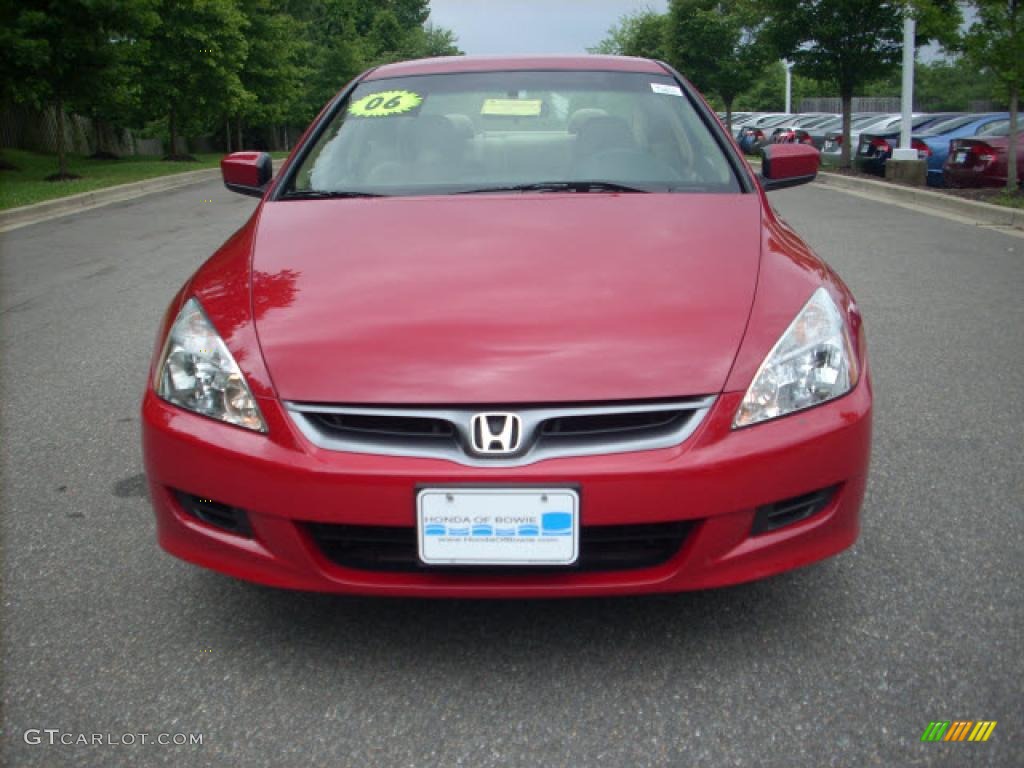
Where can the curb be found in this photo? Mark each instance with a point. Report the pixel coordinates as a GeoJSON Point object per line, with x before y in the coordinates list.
{"type": "Point", "coordinates": [13, 218]}
{"type": "Point", "coordinates": [973, 210]}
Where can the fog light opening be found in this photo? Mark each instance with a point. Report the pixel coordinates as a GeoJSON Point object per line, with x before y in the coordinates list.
{"type": "Point", "coordinates": [221, 516]}
{"type": "Point", "coordinates": [781, 514]}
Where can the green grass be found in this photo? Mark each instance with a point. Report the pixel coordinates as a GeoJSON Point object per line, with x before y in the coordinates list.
{"type": "Point", "coordinates": [1010, 201]}
{"type": "Point", "coordinates": [27, 185]}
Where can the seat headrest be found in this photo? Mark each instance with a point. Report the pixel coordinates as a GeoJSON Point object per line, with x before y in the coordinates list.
{"type": "Point", "coordinates": [435, 135]}
{"type": "Point", "coordinates": [580, 116]}
{"type": "Point", "coordinates": [463, 124]}
{"type": "Point", "coordinates": [602, 133]}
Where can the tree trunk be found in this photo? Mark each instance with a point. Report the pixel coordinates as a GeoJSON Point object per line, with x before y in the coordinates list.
{"type": "Point", "coordinates": [172, 123]}
{"type": "Point", "coordinates": [287, 139]}
{"type": "Point", "coordinates": [62, 160]}
{"type": "Point", "coordinates": [227, 135]}
{"type": "Point", "coordinates": [238, 135]}
{"type": "Point", "coordinates": [846, 150]}
{"type": "Point", "coordinates": [1012, 181]}
{"type": "Point", "coordinates": [728, 116]}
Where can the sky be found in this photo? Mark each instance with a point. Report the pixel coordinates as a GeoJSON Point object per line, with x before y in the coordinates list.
{"type": "Point", "coordinates": [533, 26]}
{"type": "Point", "coordinates": [546, 26]}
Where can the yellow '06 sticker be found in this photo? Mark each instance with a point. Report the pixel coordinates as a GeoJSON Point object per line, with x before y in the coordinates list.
{"type": "Point", "coordinates": [385, 104]}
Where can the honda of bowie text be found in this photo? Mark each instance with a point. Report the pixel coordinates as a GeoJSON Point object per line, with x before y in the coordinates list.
{"type": "Point", "coordinates": [511, 327]}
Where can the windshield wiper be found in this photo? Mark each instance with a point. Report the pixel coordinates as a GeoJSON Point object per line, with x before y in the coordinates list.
{"type": "Point", "coordinates": [556, 186]}
{"type": "Point", "coordinates": [321, 194]}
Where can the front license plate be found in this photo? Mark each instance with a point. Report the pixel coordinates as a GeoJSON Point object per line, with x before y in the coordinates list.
{"type": "Point", "coordinates": [498, 526]}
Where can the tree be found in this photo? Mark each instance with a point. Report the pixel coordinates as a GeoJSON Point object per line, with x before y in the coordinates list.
{"type": "Point", "coordinates": [113, 98]}
{"type": "Point", "coordinates": [66, 47]}
{"type": "Point", "coordinates": [387, 39]}
{"type": "Point", "coordinates": [411, 14]}
{"type": "Point", "coordinates": [768, 93]}
{"type": "Point", "coordinates": [197, 65]}
{"type": "Point", "coordinates": [274, 72]}
{"type": "Point", "coordinates": [338, 50]}
{"type": "Point", "coordinates": [191, 64]}
{"type": "Point", "coordinates": [942, 86]}
{"type": "Point", "coordinates": [636, 34]}
{"type": "Point", "coordinates": [436, 41]}
{"type": "Point", "coordinates": [849, 42]}
{"type": "Point", "coordinates": [717, 45]}
{"type": "Point", "coordinates": [347, 36]}
{"type": "Point", "coordinates": [995, 43]}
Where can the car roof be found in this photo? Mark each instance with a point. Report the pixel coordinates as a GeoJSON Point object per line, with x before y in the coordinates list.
{"type": "Point", "coordinates": [450, 64]}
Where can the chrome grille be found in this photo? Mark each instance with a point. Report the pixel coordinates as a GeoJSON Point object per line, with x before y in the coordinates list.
{"type": "Point", "coordinates": [548, 431]}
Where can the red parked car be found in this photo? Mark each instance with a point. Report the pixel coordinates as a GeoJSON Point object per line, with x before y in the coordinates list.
{"type": "Point", "coordinates": [518, 327]}
{"type": "Point", "coordinates": [983, 160]}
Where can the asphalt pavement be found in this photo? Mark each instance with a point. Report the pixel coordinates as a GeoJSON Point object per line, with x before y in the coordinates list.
{"type": "Point", "coordinates": [843, 663]}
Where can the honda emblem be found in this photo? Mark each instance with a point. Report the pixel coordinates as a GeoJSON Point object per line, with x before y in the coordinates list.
{"type": "Point", "coordinates": [496, 433]}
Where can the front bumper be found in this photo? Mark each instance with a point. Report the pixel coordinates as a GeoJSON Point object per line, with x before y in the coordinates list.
{"type": "Point", "coordinates": [716, 480]}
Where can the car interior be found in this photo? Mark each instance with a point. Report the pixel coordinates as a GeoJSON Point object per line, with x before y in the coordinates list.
{"type": "Point", "coordinates": [643, 140]}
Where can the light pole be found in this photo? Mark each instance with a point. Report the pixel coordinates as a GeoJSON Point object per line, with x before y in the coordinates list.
{"type": "Point", "coordinates": [789, 85]}
{"type": "Point", "coordinates": [905, 152]}
{"type": "Point", "coordinates": [904, 164]}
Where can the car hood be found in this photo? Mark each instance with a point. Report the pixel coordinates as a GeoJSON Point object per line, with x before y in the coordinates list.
{"type": "Point", "coordinates": [504, 298]}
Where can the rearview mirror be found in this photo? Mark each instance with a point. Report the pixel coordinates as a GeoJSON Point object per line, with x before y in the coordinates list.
{"type": "Point", "coordinates": [247, 172]}
{"type": "Point", "coordinates": [787, 165]}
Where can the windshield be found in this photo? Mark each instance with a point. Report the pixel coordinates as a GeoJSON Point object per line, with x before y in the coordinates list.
{"type": "Point", "coordinates": [861, 122]}
{"type": "Point", "coordinates": [489, 131]}
{"type": "Point", "coordinates": [813, 121]}
{"type": "Point", "coordinates": [774, 120]}
{"type": "Point", "coordinates": [999, 127]}
{"type": "Point", "coordinates": [945, 126]}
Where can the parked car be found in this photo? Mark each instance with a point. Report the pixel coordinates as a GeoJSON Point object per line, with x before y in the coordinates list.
{"type": "Point", "coordinates": [739, 122]}
{"type": "Point", "coordinates": [832, 146]}
{"type": "Point", "coordinates": [447, 356]}
{"type": "Point", "coordinates": [817, 133]}
{"type": "Point", "coordinates": [736, 117]}
{"type": "Point", "coordinates": [874, 148]}
{"type": "Point", "coordinates": [754, 135]}
{"type": "Point", "coordinates": [983, 160]}
{"type": "Point", "coordinates": [756, 121]}
{"type": "Point", "coordinates": [938, 137]}
{"type": "Point", "coordinates": [795, 131]}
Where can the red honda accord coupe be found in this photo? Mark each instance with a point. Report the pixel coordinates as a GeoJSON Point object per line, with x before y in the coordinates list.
{"type": "Point", "coordinates": [510, 327]}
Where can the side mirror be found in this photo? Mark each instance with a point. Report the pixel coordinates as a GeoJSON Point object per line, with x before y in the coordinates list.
{"type": "Point", "coordinates": [247, 172]}
{"type": "Point", "coordinates": [787, 165]}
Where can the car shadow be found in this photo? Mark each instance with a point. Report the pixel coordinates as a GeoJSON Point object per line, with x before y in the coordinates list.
{"type": "Point", "coordinates": [392, 631]}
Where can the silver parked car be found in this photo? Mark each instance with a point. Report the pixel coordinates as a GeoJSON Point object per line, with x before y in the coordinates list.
{"type": "Point", "coordinates": [832, 147]}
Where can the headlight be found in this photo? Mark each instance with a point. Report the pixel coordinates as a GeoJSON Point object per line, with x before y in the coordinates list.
{"type": "Point", "coordinates": [196, 371]}
{"type": "Point", "coordinates": [811, 363]}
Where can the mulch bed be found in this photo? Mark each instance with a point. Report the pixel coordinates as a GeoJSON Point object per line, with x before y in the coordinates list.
{"type": "Point", "coordinates": [983, 195]}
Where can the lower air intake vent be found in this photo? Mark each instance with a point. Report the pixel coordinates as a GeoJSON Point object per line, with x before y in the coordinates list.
{"type": "Point", "coordinates": [230, 519]}
{"type": "Point", "coordinates": [771, 517]}
{"type": "Point", "coordinates": [602, 548]}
